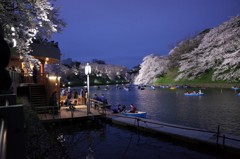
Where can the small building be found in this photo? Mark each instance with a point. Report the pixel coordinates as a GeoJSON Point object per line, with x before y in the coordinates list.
{"type": "Point", "coordinates": [47, 53]}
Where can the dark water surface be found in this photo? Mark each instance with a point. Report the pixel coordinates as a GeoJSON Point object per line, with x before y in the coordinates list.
{"type": "Point", "coordinates": [112, 142]}
{"type": "Point", "coordinates": [106, 141]}
{"type": "Point", "coordinates": [215, 107]}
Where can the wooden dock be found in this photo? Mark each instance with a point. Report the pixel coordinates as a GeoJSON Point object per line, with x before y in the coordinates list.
{"type": "Point", "coordinates": [65, 113]}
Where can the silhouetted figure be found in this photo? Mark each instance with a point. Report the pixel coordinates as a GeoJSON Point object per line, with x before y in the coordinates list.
{"type": "Point", "coordinates": [22, 76]}
{"type": "Point", "coordinates": [35, 72]}
{"type": "Point", "coordinates": [5, 79]}
{"type": "Point", "coordinates": [53, 102]}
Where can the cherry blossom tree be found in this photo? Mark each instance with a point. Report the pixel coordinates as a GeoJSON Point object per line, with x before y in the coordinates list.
{"type": "Point", "coordinates": [24, 20]}
{"type": "Point", "coordinates": [151, 67]}
{"type": "Point", "coordinates": [215, 50]}
{"type": "Point", "coordinates": [100, 70]}
{"type": "Point", "coordinates": [218, 51]}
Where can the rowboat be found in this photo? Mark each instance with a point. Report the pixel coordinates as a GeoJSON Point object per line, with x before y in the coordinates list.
{"type": "Point", "coordinates": [126, 88]}
{"type": "Point", "coordinates": [235, 88]}
{"type": "Point", "coordinates": [152, 87]}
{"type": "Point", "coordinates": [138, 114]}
{"type": "Point", "coordinates": [193, 94]}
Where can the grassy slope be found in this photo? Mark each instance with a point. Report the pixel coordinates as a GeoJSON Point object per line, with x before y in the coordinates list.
{"type": "Point", "coordinates": [205, 78]}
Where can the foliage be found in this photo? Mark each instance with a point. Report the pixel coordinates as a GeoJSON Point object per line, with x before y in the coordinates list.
{"type": "Point", "coordinates": [151, 67]}
{"type": "Point", "coordinates": [183, 47]}
{"type": "Point", "coordinates": [23, 20]}
{"type": "Point", "coordinates": [101, 73]}
{"type": "Point", "coordinates": [170, 76]}
{"type": "Point", "coordinates": [211, 56]}
{"type": "Point", "coordinates": [219, 51]}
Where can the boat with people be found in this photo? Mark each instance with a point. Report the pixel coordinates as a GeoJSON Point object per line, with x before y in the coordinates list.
{"type": "Point", "coordinates": [162, 86]}
{"type": "Point", "coordinates": [152, 87]}
{"type": "Point", "coordinates": [193, 94]}
{"type": "Point", "coordinates": [235, 88]}
{"type": "Point", "coordinates": [199, 93]}
{"type": "Point", "coordinates": [139, 114]}
{"type": "Point", "coordinates": [133, 112]}
{"type": "Point", "coordinates": [126, 88]}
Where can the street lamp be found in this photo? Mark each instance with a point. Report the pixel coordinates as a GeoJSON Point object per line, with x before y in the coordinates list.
{"type": "Point", "coordinates": [88, 72]}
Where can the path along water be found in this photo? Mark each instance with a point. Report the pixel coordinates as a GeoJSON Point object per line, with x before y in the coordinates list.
{"type": "Point", "coordinates": [215, 107]}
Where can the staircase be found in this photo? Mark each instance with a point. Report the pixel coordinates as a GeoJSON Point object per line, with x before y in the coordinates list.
{"type": "Point", "coordinates": [38, 96]}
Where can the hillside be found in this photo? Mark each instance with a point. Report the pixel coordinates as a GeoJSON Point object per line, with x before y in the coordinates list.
{"type": "Point", "coordinates": [219, 51]}
{"type": "Point", "coordinates": [211, 56]}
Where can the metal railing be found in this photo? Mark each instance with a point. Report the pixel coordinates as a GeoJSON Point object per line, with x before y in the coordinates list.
{"type": "Point", "coordinates": [100, 106]}
{"type": "Point", "coordinates": [219, 136]}
{"type": "Point", "coordinates": [3, 139]}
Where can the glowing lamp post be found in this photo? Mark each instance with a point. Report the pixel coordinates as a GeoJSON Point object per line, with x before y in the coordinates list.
{"type": "Point", "coordinates": [88, 72]}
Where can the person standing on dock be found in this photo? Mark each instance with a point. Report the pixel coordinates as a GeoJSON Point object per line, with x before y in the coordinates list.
{"type": "Point", "coordinates": [35, 72]}
{"type": "Point", "coordinates": [103, 99]}
{"type": "Point", "coordinates": [53, 102]}
{"type": "Point", "coordinates": [84, 94]}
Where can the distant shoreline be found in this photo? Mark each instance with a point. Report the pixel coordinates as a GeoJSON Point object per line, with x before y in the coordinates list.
{"type": "Point", "coordinates": [206, 85]}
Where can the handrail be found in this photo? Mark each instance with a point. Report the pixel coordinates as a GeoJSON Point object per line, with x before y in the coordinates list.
{"type": "Point", "coordinates": [164, 124]}
{"type": "Point", "coordinates": [3, 139]}
{"type": "Point", "coordinates": [101, 106]}
{"type": "Point", "coordinates": [223, 136]}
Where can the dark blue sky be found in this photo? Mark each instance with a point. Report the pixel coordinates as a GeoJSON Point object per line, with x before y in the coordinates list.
{"type": "Point", "coordinates": [122, 32]}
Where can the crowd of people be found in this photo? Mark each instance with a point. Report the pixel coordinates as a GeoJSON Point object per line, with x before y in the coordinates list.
{"type": "Point", "coordinates": [102, 98]}
{"type": "Point", "coordinates": [72, 97]}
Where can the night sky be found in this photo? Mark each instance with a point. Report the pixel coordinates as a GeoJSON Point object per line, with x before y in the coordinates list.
{"type": "Point", "coordinates": [122, 32]}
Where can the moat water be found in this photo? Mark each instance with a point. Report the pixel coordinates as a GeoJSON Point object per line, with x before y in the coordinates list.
{"type": "Point", "coordinates": [215, 107]}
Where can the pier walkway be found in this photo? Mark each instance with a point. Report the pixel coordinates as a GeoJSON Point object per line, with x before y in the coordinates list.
{"type": "Point", "coordinates": [207, 139]}
{"type": "Point", "coordinates": [46, 113]}
{"type": "Point", "coordinates": [212, 140]}
{"type": "Point", "coordinates": [66, 113]}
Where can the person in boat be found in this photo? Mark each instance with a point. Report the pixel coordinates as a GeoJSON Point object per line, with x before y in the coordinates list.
{"type": "Point", "coordinates": [133, 109]}
{"type": "Point", "coordinates": [122, 108]}
{"type": "Point", "coordinates": [116, 109]}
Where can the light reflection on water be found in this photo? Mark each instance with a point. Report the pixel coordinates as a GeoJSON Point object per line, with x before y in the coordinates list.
{"type": "Point", "coordinates": [215, 107]}
{"type": "Point", "coordinates": [112, 142]}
